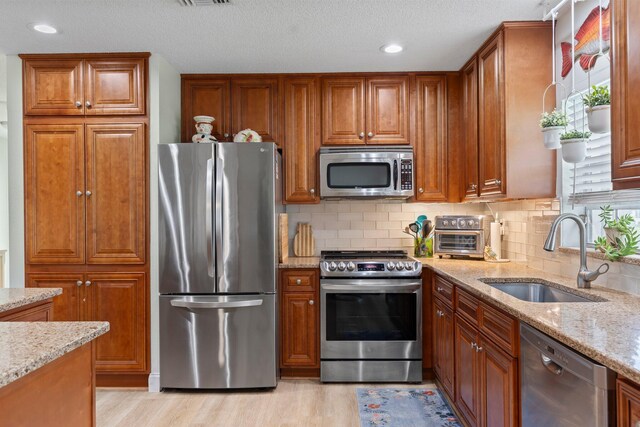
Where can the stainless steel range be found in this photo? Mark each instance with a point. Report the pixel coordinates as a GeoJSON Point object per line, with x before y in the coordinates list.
{"type": "Point", "coordinates": [371, 317]}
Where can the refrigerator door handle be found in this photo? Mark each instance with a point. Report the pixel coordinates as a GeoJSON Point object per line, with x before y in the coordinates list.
{"type": "Point", "coordinates": [209, 219]}
{"type": "Point", "coordinates": [216, 304]}
{"type": "Point", "coordinates": [219, 229]}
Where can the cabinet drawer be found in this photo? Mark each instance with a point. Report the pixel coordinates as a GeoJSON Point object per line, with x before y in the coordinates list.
{"type": "Point", "coordinates": [443, 289]}
{"type": "Point", "coordinates": [499, 327]}
{"type": "Point", "coordinates": [39, 312]}
{"type": "Point", "coordinates": [467, 306]}
{"type": "Point", "coordinates": [299, 281]}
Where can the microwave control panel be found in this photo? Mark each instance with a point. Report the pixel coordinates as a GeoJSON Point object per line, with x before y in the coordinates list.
{"type": "Point", "coordinates": [406, 175]}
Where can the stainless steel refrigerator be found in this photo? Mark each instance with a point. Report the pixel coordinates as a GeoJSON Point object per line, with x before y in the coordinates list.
{"type": "Point", "coordinates": [219, 206]}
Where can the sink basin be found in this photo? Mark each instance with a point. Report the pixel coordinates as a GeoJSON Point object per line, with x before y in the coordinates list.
{"type": "Point", "coordinates": [537, 291]}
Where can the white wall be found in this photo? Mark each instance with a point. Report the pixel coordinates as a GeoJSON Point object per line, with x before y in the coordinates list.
{"type": "Point", "coordinates": [4, 170]}
{"type": "Point", "coordinates": [164, 118]}
{"type": "Point", "coordinates": [15, 168]}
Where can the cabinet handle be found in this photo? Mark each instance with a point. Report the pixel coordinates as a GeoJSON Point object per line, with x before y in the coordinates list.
{"type": "Point", "coordinates": [474, 187]}
{"type": "Point", "coordinates": [312, 191]}
{"type": "Point", "coordinates": [226, 135]}
{"type": "Point", "coordinates": [79, 283]}
{"type": "Point", "coordinates": [439, 289]}
{"type": "Point", "coordinates": [498, 182]}
{"type": "Point", "coordinates": [474, 345]}
{"type": "Point", "coordinates": [370, 134]}
{"type": "Point", "coordinates": [298, 282]}
{"type": "Point", "coordinates": [78, 104]}
{"type": "Point", "coordinates": [361, 135]}
{"type": "Point", "coordinates": [79, 193]}
{"type": "Point", "coordinates": [420, 190]}
{"type": "Point", "coordinates": [87, 283]}
{"type": "Point", "coordinates": [311, 302]}
{"type": "Point", "coordinates": [88, 193]}
{"type": "Point", "coordinates": [88, 104]}
{"type": "Point", "coordinates": [478, 349]}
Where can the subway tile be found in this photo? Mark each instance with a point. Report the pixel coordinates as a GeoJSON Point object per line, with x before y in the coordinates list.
{"type": "Point", "coordinates": [325, 234]}
{"type": "Point", "coordinates": [337, 207]}
{"type": "Point", "coordinates": [350, 216]}
{"type": "Point", "coordinates": [377, 234]}
{"type": "Point", "coordinates": [389, 225]}
{"type": "Point", "coordinates": [363, 225]}
{"type": "Point", "coordinates": [312, 208]}
{"type": "Point", "coordinates": [375, 216]}
{"type": "Point", "coordinates": [350, 234]}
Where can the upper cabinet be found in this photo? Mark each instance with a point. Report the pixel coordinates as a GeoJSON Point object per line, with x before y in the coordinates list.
{"type": "Point", "coordinates": [211, 97]}
{"type": "Point", "coordinates": [625, 86]}
{"type": "Point", "coordinates": [501, 108]}
{"type": "Point", "coordinates": [255, 106]}
{"type": "Point", "coordinates": [76, 86]}
{"type": "Point", "coordinates": [365, 110]}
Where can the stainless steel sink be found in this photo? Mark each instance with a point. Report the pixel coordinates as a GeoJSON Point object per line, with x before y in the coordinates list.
{"type": "Point", "coordinates": [538, 291]}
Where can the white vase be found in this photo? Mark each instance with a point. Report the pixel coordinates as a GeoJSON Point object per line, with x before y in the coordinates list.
{"type": "Point", "coordinates": [204, 127]}
{"type": "Point", "coordinates": [574, 150]}
{"type": "Point", "coordinates": [599, 118]}
{"type": "Point", "coordinates": [551, 137]}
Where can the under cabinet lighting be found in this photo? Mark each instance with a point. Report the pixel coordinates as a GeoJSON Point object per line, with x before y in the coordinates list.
{"type": "Point", "coordinates": [391, 48]}
{"type": "Point", "coordinates": [44, 28]}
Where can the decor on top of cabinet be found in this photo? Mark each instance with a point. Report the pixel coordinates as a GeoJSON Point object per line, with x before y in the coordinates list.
{"type": "Point", "coordinates": [247, 135]}
{"type": "Point", "coordinates": [574, 146]}
{"type": "Point", "coordinates": [303, 243]}
{"type": "Point", "coordinates": [622, 237]}
{"type": "Point", "coordinates": [204, 127]}
{"type": "Point", "coordinates": [598, 103]}
{"type": "Point", "coordinates": [553, 124]}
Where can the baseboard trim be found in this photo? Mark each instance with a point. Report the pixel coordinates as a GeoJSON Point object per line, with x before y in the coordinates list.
{"type": "Point", "coordinates": [122, 380]}
{"type": "Point", "coordinates": [300, 372]}
{"type": "Point", "coordinates": [154, 383]}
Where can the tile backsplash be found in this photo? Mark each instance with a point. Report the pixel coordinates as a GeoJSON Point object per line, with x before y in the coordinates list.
{"type": "Point", "coordinates": [379, 225]}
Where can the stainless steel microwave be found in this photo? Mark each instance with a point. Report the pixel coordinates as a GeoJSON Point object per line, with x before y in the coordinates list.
{"type": "Point", "coordinates": [372, 172]}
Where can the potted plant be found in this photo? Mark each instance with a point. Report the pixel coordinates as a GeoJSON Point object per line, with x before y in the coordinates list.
{"type": "Point", "coordinates": [621, 237]}
{"type": "Point", "coordinates": [598, 103]}
{"type": "Point", "coordinates": [552, 125]}
{"type": "Point", "coordinates": [574, 145]}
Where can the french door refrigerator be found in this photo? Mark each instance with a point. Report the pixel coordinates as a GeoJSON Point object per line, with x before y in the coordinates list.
{"type": "Point", "coordinates": [218, 211]}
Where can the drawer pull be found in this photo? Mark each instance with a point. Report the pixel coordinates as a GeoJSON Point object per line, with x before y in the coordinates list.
{"type": "Point", "coordinates": [439, 289]}
{"type": "Point", "coordinates": [298, 282]}
{"type": "Point", "coordinates": [311, 302]}
{"type": "Point", "coordinates": [79, 283]}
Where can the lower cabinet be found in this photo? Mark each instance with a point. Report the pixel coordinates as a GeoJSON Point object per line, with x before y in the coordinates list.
{"type": "Point", "coordinates": [36, 312]}
{"type": "Point", "coordinates": [499, 386]}
{"type": "Point", "coordinates": [299, 322]}
{"type": "Point", "coordinates": [443, 339]}
{"type": "Point", "coordinates": [628, 395]}
{"type": "Point", "coordinates": [118, 298]}
{"type": "Point", "coordinates": [467, 372]}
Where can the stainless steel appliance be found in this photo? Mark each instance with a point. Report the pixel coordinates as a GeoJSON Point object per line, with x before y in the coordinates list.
{"type": "Point", "coordinates": [560, 387]}
{"type": "Point", "coordinates": [461, 235]}
{"type": "Point", "coordinates": [371, 317]}
{"type": "Point", "coordinates": [372, 172]}
{"type": "Point", "coordinates": [218, 206]}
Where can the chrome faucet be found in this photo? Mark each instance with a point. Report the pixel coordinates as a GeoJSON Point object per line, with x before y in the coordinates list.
{"type": "Point", "coordinates": [585, 277]}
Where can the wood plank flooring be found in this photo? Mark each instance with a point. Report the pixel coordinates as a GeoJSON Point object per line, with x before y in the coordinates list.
{"type": "Point", "coordinates": [293, 403]}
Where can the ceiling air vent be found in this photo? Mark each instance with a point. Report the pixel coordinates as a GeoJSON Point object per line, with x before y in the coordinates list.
{"type": "Point", "coordinates": [202, 2]}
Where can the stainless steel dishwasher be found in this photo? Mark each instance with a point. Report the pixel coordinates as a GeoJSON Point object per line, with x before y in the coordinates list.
{"type": "Point", "coordinates": [560, 387]}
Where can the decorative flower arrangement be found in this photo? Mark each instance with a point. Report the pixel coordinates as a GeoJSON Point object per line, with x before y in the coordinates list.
{"type": "Point", "coordinates": [598, 103]}
{"type": "Point", "coordinates": [552, 125]}
{"type": "Point", "coordinates": [574, 145]}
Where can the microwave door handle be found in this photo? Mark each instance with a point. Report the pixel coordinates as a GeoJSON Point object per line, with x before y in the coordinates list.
{"type": "Point", "coordinates": [395, 174]}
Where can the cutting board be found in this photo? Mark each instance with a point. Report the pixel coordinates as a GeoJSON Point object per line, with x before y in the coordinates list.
{"type": "Point", "coordinates": [283, 237]}
{"type": "Point", "coordinates": [304, 243]}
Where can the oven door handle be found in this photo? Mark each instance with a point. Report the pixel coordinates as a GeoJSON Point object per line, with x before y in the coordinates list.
{"type": "Point", "coordinates": [387, 288]}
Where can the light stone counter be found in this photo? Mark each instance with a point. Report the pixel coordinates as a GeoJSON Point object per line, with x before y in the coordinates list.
{"type": "Point", "coordinates": [11, 298]}
{"type": "Point", "coordinates": [27, 346]}
{"type": "Point", "coordinates": [608, 332]}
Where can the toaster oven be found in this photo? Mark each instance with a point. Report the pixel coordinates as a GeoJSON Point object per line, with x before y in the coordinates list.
{"type": "Point", "coordinates": [461, 235]}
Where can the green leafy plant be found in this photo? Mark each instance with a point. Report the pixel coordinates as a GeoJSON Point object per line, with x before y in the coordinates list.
{"type": "Point", "coordinates": [574, 134]}
{"type": "Point", "coordinates": [554, 118]}
{"type": "Point", "coordinates": [622, 243]}
{"type": "Point", "coordinates": [599, 96]}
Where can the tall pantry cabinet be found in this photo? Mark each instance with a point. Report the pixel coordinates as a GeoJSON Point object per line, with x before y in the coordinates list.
{"type": "Point", "coordinates": [86, 169]}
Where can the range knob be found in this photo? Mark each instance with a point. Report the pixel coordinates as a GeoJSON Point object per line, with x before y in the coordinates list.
{"type": "Point", "coordinates": [391, 265]}
{"type": "Point", "coordinates": [408, 266]}
{"type": "Point", "coordinates": [445, 222]}
{"type": "Point", "coordinates": [333, 266]}
{"type": "Point", "coordinates": [351, 266]}
{"type": "Point", "coordinates": [400, 266]}
{"type": "Point", "coordinates": [325, 265]}
{"type": "Point", "coordinates": [470, 223]}
{"type": "Point", "coordinates": [342, 266]}
{"type": "Point", "coordinates": [453, 222]}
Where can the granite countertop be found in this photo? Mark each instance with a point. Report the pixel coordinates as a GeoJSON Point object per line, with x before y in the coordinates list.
{"type": "Point", "coordinates": [301, 262]}
{"type": "Point", "coordinates": [27, 346]}
{"type": "Point", "coordinates": [11, 298]}
{"type": "Point", "coordinates": [608, 332]}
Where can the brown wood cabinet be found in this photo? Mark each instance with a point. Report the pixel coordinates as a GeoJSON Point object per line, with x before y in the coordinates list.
{"type": "Point", "coordinates": [499, 386]}
{"type": "Point", "coordinates": [468, 386]}
{"type": "Point", "coordinates": [501, 112]}
{"type": "Point", "coordinates": [35, 312]}
{"type": "Point", "coordinates": [628, 396]}
{"type": "Point", "coordinates": [299, 322]}
{"type": "Point", "coordinates": [625, 86]}
{"type": "Point", "coordinates": [443, 344]}
{"type": "Point", "coordinates": [210, 97]}
{"type": "Point", "coordinates": [358, 110]}
{"type": "Point", "coordinates": [64, 85]}
{"type": "Point", "coordinates": [69, 306]}
{"type": "Point", "coordinates": [301, 139]}
{"type": "Point", "coordinates": [255, 106]}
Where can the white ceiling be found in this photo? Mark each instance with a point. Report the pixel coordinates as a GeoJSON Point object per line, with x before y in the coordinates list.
{"type": "Point", "coordinates": [266, 35]}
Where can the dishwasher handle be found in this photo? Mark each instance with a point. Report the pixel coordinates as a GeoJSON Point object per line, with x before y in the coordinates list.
{"type": "Point", "coordinates": [551, 366]}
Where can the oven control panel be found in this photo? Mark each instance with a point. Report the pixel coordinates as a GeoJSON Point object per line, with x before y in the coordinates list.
{"type": "Point", "coordinates": [378, 268]}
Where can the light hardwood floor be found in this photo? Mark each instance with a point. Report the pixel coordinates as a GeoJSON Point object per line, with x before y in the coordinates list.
{"type": "Point", "coordinates": [293, 403]}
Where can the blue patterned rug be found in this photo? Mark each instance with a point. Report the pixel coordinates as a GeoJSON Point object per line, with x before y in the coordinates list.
{"type": "Point", "coordinates": [404, 407]}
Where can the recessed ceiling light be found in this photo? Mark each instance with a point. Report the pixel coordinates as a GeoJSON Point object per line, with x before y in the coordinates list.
{"type": "Point", "coordinates": [391, 48]}
{"type": "Point", "coordinates": [44, 28]}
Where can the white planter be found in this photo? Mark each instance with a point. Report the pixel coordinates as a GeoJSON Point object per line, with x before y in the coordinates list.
{"type": "Point", "coordinates": [574, 150]}
{"type": "Point", "coordinates": [551, 137]}
{"type": "Point", "coordinates": [599, 118]}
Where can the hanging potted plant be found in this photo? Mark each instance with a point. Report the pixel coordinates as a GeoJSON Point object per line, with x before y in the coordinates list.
{"type": "Point", "coordinates": [598, 103]}
{"type": "Point", "coordinates": [622, 238]}
{"type": "Point", "coordinates": [574, 145]}
{"type": "Point", "coordinates": [552, 125]}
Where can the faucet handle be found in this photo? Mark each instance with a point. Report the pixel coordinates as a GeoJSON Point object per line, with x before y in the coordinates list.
{"type": "Point", "coordinates": [590, 276]}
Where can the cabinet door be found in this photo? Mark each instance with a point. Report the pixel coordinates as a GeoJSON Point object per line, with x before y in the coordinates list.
{"type": "Point", "coordinates": [388, 110]}
{"type": "Point", "coordinates": [499, 386]}
{"type": "Point", "coordinates": [299, 334]}
{"type": "Point", "coordinates": [53, 87]}
{"type": "Point", "coordinates": [115, 86]}
{"type": "Point", "coordinates": [628, 395]}
{"type": "Point", "coordinates": [470, 128]}
{"type": "Point", "coordinates": [116, 193]}
{"type": "Point", "coordinates": [206, 98]}
{"type": "Point", "coordinates": [625, 85]}
{"type": "Point", "coordinates": [443, 338]}
{"type": "Point", "coordinates": [491, 134]}
{"type": "Point", "coordinates": [301, 140]}
{"type": "Point", "coordinates": [467, 372]}
{"type": "Point", "coordinates": [54, 194]}
{"type": "Point", "coordinates": [431, 140]}
{"type": "Point", "coordinates": [67, 307]}
{"type": "Point", "coordinates": [255, 106]}
{"type": "Point", "coordinates": [120, 299]}
{"type": "Point", "coordinates": [343, 111]}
